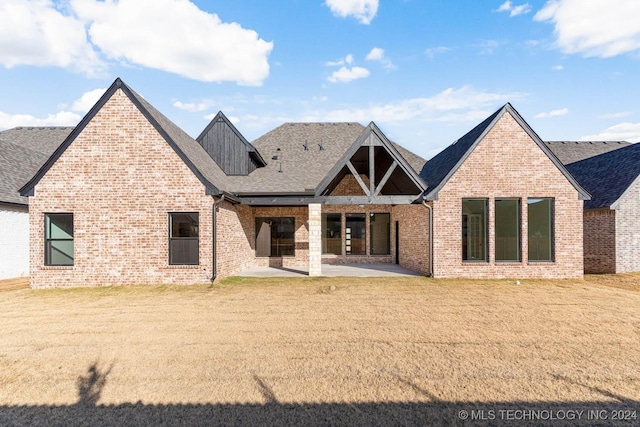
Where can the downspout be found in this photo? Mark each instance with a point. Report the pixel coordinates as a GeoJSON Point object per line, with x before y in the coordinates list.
{"type": "Point", "coordinates": [214, 229]}
{"type": "Point", "coordinates": [430, 209]}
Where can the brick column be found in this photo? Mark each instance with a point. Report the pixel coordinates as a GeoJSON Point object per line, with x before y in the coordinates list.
{"type": "Point", "coordinates": [315, 239]}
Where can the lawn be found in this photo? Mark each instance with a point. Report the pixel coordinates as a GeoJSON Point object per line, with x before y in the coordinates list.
{"type": "Point", "coordinates": [323, 351]}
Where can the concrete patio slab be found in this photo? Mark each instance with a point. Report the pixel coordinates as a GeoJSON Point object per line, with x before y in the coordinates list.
{"type": "Point", "coordinates": [333, 270]}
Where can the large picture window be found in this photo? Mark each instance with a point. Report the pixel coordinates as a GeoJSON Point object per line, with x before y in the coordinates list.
{"type": "Point", "coordinates": [355, 234]}
{"type": "Point", "coordinates": [474, 229]}
{"type": "Point", "coordinates": [380, 233]}
{"type": "Point", "coordinates": [331, 233]}
{"type": "Point", "coordinates": [184, 238]}
{"type": "Point", "coordinates": [58, 239]}
{"type": "Point", "coordinates": [275, 237]}
{"type": "Point", "coordinates": [507, 230]}
{"type": "Point", "coordinates": [540, 213]}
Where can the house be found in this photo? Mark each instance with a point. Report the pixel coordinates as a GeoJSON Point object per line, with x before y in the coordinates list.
{"type": "Point", "coordinates": [610, 172]}
{"type": "Point", "coordinates": [130, 198]}
{"type": "Point", "coordinates": [23, 151]}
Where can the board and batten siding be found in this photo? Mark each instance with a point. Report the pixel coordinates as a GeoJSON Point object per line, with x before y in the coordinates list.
{"type": "Point", "coordinates": [227, 149]}
{"type": "Point", "coordinates": [14, 242]}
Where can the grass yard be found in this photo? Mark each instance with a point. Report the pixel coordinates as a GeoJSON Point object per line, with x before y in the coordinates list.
{"type": "Point", "coordinates": [401, 351]}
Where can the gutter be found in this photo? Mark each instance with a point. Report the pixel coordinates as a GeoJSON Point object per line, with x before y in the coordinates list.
{"type": "Point", "coordinates": [214, 228]}
{"type": "Point", "coordinates": [430, 209]}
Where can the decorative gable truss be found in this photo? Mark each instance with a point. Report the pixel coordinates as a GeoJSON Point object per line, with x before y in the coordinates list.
{"type": "Point", "coordinates": [382, 175]}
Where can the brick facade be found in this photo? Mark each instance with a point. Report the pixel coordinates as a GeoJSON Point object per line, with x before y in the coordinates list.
{"type": "Point", "coordinates": [120, 179]}
{"type": "Point", "coordinates": [508, 163]}
{"type": "Point", "coordinates": [600, 241]}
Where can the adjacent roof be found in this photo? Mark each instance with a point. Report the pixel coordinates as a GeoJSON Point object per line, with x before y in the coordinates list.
{"type": "Point", "coordinates": [437, 171]}
{"type": "Point", "coordinates": [608, 176]}
{"type": "Point", "coordinates": [194, 156]}
{"type": "Point", "coordinates": [573, 151]}
{"type": "Point", "coordinates": [23, 150]}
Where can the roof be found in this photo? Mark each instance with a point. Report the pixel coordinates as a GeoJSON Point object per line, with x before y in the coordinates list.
{"type": "Point", "coordinates": [607, 176]}
{"type": "Point", "coordinates": [437, 171]}
{"type": "Point", "coordinates": [23, 150]}
{"type": "Point", "coordinates": [573, 151]}
{"type": "Point", "coordinates": [189, 150]}
{"type": "Point", "coordinates": [292, 169]}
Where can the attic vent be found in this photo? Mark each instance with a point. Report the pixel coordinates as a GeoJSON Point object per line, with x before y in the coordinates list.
{"type": "Point", "coordinates": [274, 158]}
{"type": "Point", "coordinates": [305, 145]}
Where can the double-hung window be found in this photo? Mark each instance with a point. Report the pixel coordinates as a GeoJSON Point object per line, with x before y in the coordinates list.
{"type": "Point", "coordinates": [184, 238]}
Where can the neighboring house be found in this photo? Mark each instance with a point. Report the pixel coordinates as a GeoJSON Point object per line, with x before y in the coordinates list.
{"type": "Point", "coordinates": [610, 171]}
{"type": "Point", "coordinates": [23, 151]}
{"type": "Point", "coordinates": [130, 198]}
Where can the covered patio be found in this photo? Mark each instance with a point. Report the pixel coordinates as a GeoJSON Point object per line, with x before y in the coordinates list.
{"type": "Point", "coordinates": [334, 270]}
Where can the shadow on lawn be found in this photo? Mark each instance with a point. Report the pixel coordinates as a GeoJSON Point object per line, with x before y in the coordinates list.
{"type": "Point", "coordinates": [87, 412]}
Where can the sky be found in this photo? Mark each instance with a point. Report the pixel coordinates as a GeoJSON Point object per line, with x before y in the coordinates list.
{"type": "Point", "coordinates": [425, 71]}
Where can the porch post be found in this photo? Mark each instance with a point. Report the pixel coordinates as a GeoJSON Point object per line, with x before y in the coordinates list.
{"type": "Point", "coordinates": [315, 239]}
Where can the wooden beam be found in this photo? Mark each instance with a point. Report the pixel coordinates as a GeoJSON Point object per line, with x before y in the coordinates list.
{"type": "Point", "coordinates": [378, 200]}
{"type": "Point", "coordinates": [355, 173]}
{"type": "Point", "coordinates": [372, 169]}
{"type": "Point", "coordinates": [385, 178]}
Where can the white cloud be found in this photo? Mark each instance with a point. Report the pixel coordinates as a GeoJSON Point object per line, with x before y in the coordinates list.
{"type": "Point", "coordinates": [552, 113]}
{"type": "Point", "coordinates": [177, 37]}
{"type": "Point", "coordinates": [620, 132]}
{"type": "Point", "coordinates": [433, 51]}
{"type": "Point", "coordinates": [451, 105]}
{"type": "Point", "coordinates": [557, 68]}
{"type": "Point", "coordinates": [488, 47]}
{"type": "Point", "coordinates": [507, 6]}
{"type": "Point", "coordinates": [345, 75]}
{"type": "Point", "coordinates": [170, 35]}
{"type": "Point", "coordinates": [615, 115]}
{"type": "Point", "coordinates": [193, 107]}
{"type": "Point", "coordinates": [62, 118]}
{"type": "Point", "coordinates": [34, 32]}
{"type": "Point", "coordinates": [342, 61]}
{"type": "Point", "coordinates": [594, 28]}
{"type": "Point", "coordinates": [377, 54]}
{"type": "Point", "coordinates": [363, 10]}
{"type": "Point", "coordinates": [87, 100]}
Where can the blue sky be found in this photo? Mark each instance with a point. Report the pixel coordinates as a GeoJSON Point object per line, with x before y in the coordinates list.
{"type": "Point", "coordinates": [425, 71]}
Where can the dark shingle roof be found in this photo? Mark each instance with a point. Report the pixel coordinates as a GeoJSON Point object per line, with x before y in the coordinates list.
{"type": "Point", "coordinates": [194, 156]}
{"type": "Point", "coordinates": [608, 175]}
{"type": "Point", "coordinates": [573, 151]}
{"type": "Point", "coordinates": [23, 150]}
{"type": "Point", "coordinates": [302, 170]}
{"type": "Point", "coordinates": [437, 171]}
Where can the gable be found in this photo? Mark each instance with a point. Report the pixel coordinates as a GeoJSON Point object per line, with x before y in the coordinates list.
{"type": "Point", "coordinates": [187, 149]}
{"type": "Point", "coordinates": [228, 148]}
{"type": "Point", "coordinates": [439, 170]}
{"type": "Point", "coordinates": [378, 168]}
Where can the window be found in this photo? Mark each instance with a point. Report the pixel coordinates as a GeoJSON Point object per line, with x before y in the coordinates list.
{"type": "Point", "coordinates": [380, 237]}
{"type": "Point", "coordinates": [58, 239]}
{"type": "Point", "coordinates": [183, 238]}
{"type": "Point", "coordinates": [474, 229]}
{"type": "Point", "coordinates": [507, 230]}
{"type": "Point", "coordinates": [355, 234]}
{"type": "Point", "coordinates": [275, 237]}
{"type": "Point", "coordinates": [540, 213]}
{"type": "Point", "coordinates": [331, 233]}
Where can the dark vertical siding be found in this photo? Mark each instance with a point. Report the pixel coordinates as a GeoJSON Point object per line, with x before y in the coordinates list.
{"type": "Point", "coordinates": [227, 149]}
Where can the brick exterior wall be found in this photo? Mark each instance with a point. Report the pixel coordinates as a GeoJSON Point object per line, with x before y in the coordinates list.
{"type": "Point", "coordinates": [508, 163]}
{"type": "Point", "coordinates": [628, 230]}
{"type": "Point", "coordinates": [233, 250]}
{"type": "Point", "coordinates": [120, 179]}
{"type": "Point", "coordinates": [414, 236]}
{"type": "Point", "coordinates": [600, 241]}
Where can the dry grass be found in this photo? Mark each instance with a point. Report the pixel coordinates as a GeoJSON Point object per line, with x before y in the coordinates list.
{"type": "Point", "coordinates": [14, 284]}
{"type": "Point", "coordinates": [357, 343]}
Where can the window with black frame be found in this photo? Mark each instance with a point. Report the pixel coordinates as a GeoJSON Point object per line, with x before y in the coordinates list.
{"type": "Point", "coordinates": [184, 238]}
{"type": "Point", "coordinates": [275, 237]}
{"type": "Point", "coordinates": [331, 233]}
{"type": "Point", "coordinates": [540, 227]}
{"type": "Point", "coordinates": [58, 239]}
{"type": "Point", "coordinates": [474, 230]}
